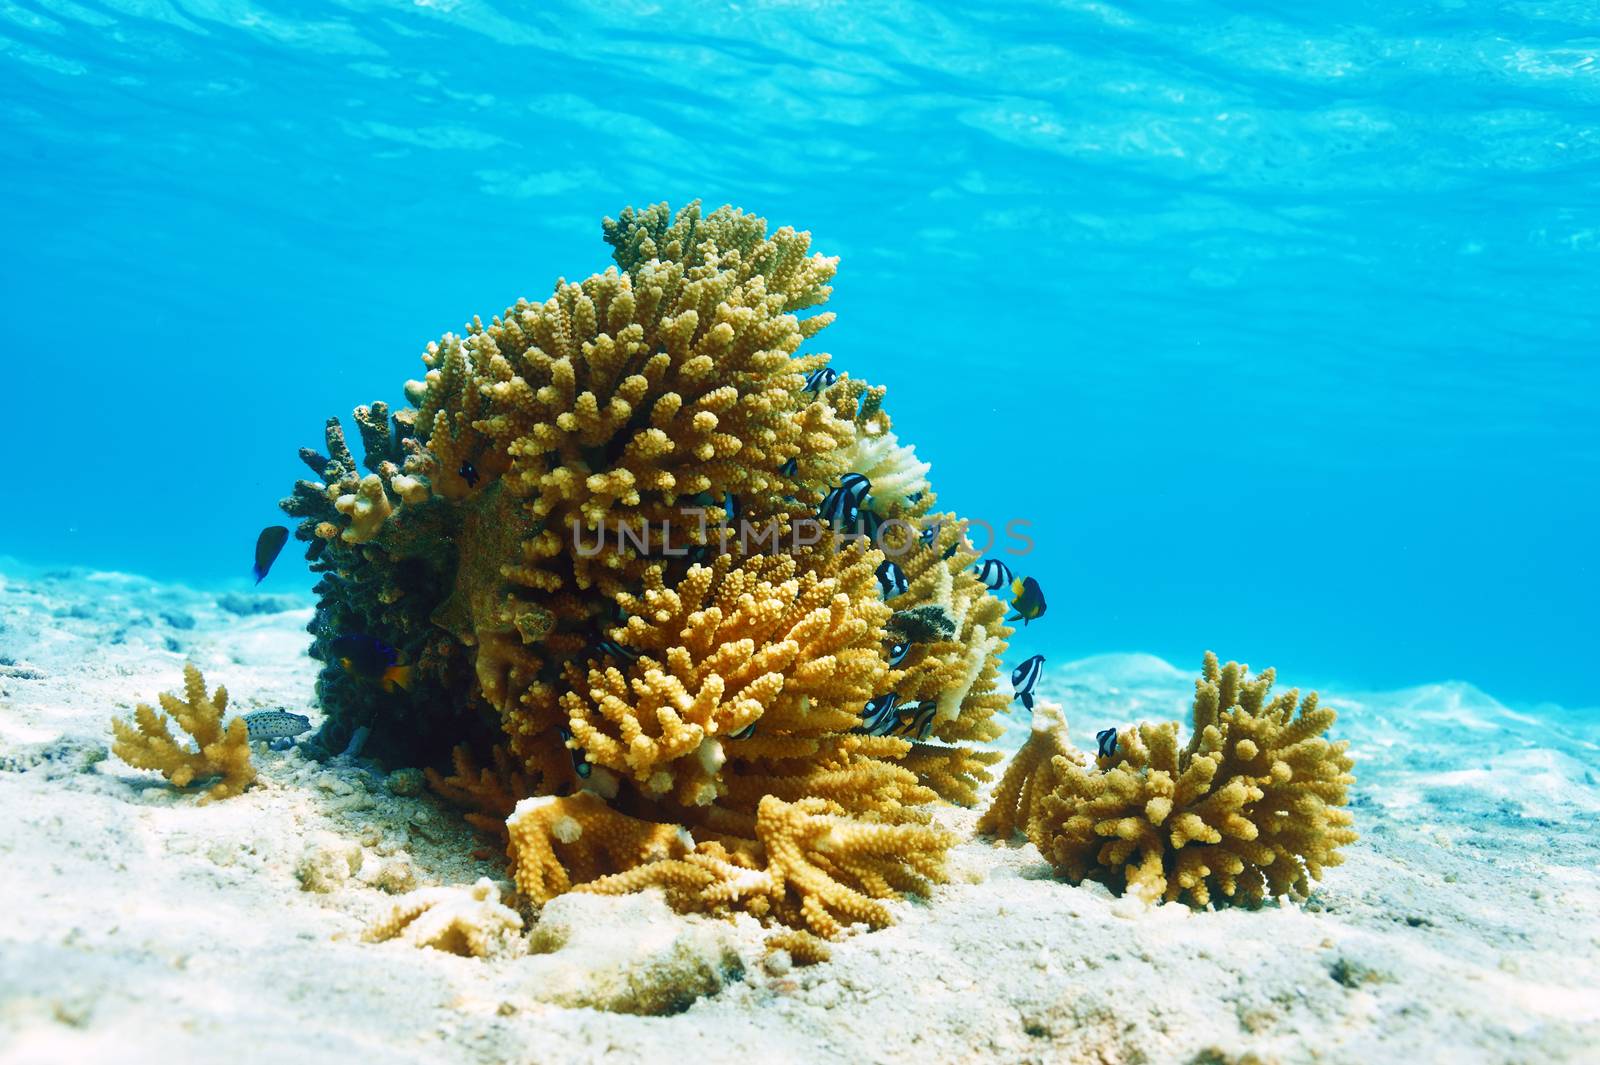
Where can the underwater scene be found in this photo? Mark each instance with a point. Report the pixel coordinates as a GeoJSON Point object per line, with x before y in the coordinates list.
{"type": "Point", "coordinates": [800, 531]}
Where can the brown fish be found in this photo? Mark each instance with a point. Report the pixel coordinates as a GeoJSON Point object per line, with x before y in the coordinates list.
{"type": "Point", "coordinates": [268, 544]}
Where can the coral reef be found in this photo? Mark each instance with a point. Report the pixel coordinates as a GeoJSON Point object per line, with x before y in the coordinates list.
{"type": "Point", "coordinates": [1250, 807]}
{"type": "Point", "coordinates": [594, 541]}
{"type": "Point", "coordinates": [147, 742]}
{"type": "Point", "coordinates": [470, 921]}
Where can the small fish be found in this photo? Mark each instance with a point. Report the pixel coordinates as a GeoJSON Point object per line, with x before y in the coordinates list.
{"type": "Point", "coordinates": [929, 535]}
{"type": "Point", "coordinates": [878, 716]}
{"type": "Point", "coordinates": [790, 468]}
{"type": "Point", "coordinates": [817, 380]}
{"type": "Point", "coordinates": [898, 651]}
{"type": "Point", "coordinates": [274, 724]}
{"type": "Point", "coordinates": [468, 473]}
{"type": "Point", "coordinates": [1107, 739]}
{"type": "Point", "coordinates": [371, 659]}
{"type": "Point", "coordinates": [1027, 599]}
{"type": "Point", "coordinates": [915, 722]}
{"type": "Point", "coordinates": [268, 544]}
{"type": "Point", "coordinates": [994, 574]}
{"type": "Point", "coordinates": [744, 733]}
{"type": "Point", "coordinates": [890, 578]}
{"type": "Point", "coordinates": [841, 507]}
{"type": "Point", "coordinates": [1024, 677]}
{"type": "Point", "coordinates": [730, 507]}
{"type": "Point", "coordinates": [611, 647]}
{"type": "Point", "coordinates": [580, 763]}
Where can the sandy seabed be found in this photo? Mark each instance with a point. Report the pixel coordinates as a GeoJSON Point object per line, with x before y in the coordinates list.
{"type": "Point", "coordinates": [136, 925]}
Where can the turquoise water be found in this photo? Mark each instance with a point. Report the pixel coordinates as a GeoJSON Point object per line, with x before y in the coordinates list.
{"type": "Point", "coordinates": [1278, 323]}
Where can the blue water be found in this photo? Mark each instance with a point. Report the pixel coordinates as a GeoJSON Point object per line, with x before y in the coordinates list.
{"type": "Point", "coordinates": [1278, 321]}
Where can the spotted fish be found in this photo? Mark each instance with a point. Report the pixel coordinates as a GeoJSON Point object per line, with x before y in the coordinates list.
{"type": "Point", "coordinates": [898, 651]}
{"type": "Point", "coordinates": [275, 724]}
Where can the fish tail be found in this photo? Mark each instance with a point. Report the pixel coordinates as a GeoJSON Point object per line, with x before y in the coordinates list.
{"type": "Point", "coordinates": [397, 676]}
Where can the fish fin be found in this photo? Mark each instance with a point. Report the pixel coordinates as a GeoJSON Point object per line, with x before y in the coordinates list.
{"type": "Point", "coordinates": [1016, 586]}
{"type": "Point", "coordinates": [397, 675]}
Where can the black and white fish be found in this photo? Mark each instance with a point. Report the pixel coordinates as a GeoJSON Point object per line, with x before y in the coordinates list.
{"type": "Point", "coordinates": [580, 763]}
{"type": "Point", "coordinates": [891, 578]}
{"type": "Point", "coordinates": [994, 574]}
{"type": "Point", "coordinates": [878, 717]}
{"type": "Point", "coordinates": [744, 733]}
{"type": "Point", "coordinates": [1107, 739]}
{"type": "Point", "coordinates": [898, 651]}
{"type": "Point", "coordinates": [790, 468]}
{"type": "Point", "coordinates": [611, 647]}
{"type": "Point", "coordinates": [915, 722]}
{"type": "Point", "coordinates": [817, 380]}
{"type": "Point", "coordinates": [1024, 677]}
{"type": "Point", "coordinates": [469, 473]}
{"type": "Point", "coordinates": [841, 507]}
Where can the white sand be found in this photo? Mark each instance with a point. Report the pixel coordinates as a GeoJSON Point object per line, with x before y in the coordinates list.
{"type": "Point", "coordinates": [136, 925]}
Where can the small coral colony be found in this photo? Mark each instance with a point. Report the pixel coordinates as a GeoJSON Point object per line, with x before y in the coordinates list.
{"type": "Point", "coordinates": [664, 602]}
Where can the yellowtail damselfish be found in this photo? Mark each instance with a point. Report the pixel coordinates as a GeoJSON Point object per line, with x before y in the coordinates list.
{"type": "Point", "coordinates": [1027, 599]}
{"type": "Point", "coordinates": [371, 659]}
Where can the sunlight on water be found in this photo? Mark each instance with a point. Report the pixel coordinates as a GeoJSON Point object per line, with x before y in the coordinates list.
{"type": "Point", "coordinates": [1278, 323]}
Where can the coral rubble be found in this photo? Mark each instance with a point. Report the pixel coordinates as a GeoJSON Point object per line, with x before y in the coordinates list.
{"type": "Point", "coordinates": [1250, 807]}
{"type": "Point", "coordinates": [594, 541]}
{"type": "Point", "coordinates": [147, 741]}
{"type": "Point", "coordinates": [470, 921]}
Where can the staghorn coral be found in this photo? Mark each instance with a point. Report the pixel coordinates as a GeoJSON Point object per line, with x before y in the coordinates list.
{"type": "Point", "coordinates": [1250, 807]}
{"type": "Point", "coordinates": [592, 537]}
{"type": "Point", "coordinates": [470, 921]}
{"type": "Point", "coordinates": [801, 946]}
{"type": "Point", "coordinates": [814, 868]}
{"type": "Point", "coordinates": [147, 742]}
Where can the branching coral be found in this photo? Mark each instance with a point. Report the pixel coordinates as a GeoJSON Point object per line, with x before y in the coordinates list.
{"type": "Point", "coordinates": [813, 868]}
{"type": "Point", "coordinates": [594, 540]}
{"type": "Point", "coordinates": [1250, 807]}
{"type": "Point", "coordinates": [147, 742]}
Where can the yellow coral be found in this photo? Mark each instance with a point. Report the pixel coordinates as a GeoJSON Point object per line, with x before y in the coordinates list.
{"type": "Point", "coordinates": [556, 842]}
{"type": "Point", "coordinates": [787, 645]}
{"type": "Point", "coordinates": [561, 462]}
{"type": "Point", "coordinates": [147, 742]}
{"type": "Point", "coordinates": [1251, 807]}
{"type": "Point", "coordinates": [813, 868]}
